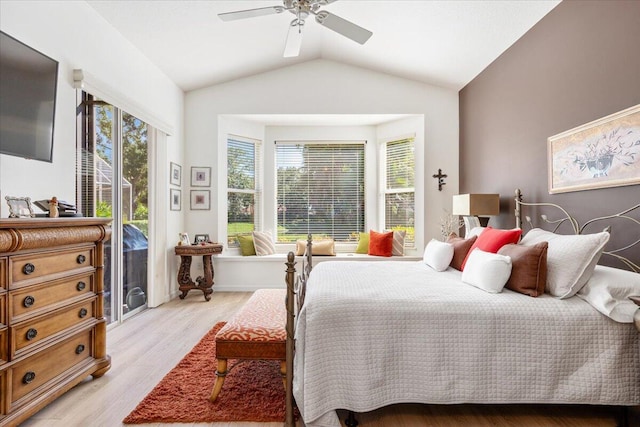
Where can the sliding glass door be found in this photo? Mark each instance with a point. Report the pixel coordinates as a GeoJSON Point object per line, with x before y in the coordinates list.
{"type": "Point", "coordinates": [114, 183]}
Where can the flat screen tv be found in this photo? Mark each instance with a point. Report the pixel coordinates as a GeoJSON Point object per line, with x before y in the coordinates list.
{"type": "Point", "coordinates": [28, 81]}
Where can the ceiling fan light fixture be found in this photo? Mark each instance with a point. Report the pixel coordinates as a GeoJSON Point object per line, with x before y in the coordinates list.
{"type": "Point", "coordinates": [302, 9]}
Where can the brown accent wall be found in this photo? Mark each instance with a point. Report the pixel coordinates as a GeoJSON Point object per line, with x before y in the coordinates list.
{"type": "Point", "coordinates": [581, 62]}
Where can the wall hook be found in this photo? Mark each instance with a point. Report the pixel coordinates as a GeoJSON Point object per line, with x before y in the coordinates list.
{"type": "Point", "coordinates": [440, 177]}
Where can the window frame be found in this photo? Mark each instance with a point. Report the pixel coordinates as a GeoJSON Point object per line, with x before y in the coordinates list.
{"type": "Point", "coordinates": [384, 190]}
{"type": "Point", "coordinates": [257, 191]}
{"type": "Point", "coordinates": [337, 143]}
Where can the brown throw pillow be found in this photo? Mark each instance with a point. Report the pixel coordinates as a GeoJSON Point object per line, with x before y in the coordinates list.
{"type": "Point", "coordinates": [528, 268]}
{"type": "Point", "coordinates": [460, 249]}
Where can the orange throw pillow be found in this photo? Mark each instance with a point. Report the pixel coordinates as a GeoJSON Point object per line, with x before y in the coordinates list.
{"type": "Point", "coordinates": [492, 239]}
{"type": "Point", "coordinates": [380, 244]}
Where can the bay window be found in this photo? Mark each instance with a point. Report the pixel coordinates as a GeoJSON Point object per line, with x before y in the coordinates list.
{"type": "Point", "coordinates": [320, 190]}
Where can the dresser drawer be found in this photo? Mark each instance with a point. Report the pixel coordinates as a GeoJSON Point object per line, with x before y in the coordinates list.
{"type": "Point", "coordinates": [31, 267]}
{"type": "Point", "coordinates": [34, 299]}
{"type": "Point", "coordinates": [35, 371]}
{"type": "Point", "coordinates": [25, 335]}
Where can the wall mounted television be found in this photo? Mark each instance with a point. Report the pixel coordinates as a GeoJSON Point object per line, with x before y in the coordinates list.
{"type": "Point", "coordinates": [28, 82]}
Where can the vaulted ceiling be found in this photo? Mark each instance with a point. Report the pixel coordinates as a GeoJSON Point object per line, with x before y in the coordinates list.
{"type": "Point", "coordinates": [446, 43]}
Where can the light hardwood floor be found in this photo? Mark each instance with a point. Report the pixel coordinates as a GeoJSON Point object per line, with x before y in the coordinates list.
{"type": "Point", "coordinates": [148, 345]}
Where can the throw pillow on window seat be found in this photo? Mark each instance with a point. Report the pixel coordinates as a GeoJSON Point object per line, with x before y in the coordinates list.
{"type": "Point", "coordinates": [398, 242]}
{"type": "Point", "coordinates": [363, 244]}
{"type": "Point", "coordinates": [381, 244]}
{"type": "Point", "coordinates": [263, 243]}
{"type": "Point", "coordinates": [318, 247]}
{"type": "Point", "coordinates": [246, 245]}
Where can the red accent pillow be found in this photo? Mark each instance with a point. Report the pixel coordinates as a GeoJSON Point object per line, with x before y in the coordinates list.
{"type": "Point", "coordinates": [492, 239]}
{"type": "Point", "coordinates": [380, 244]}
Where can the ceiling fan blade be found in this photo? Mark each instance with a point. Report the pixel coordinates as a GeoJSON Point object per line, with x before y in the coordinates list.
{"type": "Point", "coordinates": [294, 39]}
{"type": "Point", "coordinates": [250, 13]}
{"type": "Point", "coordinates": [342, 26]}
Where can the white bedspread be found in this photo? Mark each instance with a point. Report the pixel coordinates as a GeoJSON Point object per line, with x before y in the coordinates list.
{"type": "Point", "coordinates": [372, 334]}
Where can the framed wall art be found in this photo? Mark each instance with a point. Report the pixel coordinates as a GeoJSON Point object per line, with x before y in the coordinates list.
{"type": "Point", "coordinates": [175, 174]}
{"type": "Point", "coordinates": [175, 199]}
{"type": "Point", "coordinates": [603, 153]}
{"type": "Point", "coordinates": [200, 176]}
{"type": "Point", "coordinates": [200, 200]}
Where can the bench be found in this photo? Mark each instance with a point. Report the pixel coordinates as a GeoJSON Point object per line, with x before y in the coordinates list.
{"type": "Point", "coordinates": [256, 331]}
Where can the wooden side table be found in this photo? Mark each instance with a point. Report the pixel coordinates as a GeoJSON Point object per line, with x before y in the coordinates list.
{"type": "Point", "coordinates": [203, 283]}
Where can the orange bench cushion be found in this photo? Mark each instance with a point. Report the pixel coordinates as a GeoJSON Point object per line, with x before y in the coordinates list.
{"type": "Point", "coordinates": [257, 330]}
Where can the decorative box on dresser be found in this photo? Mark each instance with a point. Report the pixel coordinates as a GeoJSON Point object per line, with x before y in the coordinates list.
{"type": "Point", "coordinates": [52, 327]}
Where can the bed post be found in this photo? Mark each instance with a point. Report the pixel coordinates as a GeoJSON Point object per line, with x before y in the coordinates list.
{"type": "Point", "coordinates": [289, 301]}
{"type": "Point", "coordinates": [517, 209]}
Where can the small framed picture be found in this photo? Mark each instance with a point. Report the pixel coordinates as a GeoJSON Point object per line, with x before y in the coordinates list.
{"type": "Point", "coordinates": [200, 176]}
{"type": "Point", "coordinates": [184, 239]}
{"type": "Point", "coordinates": [19, 207]}
{"type": "Point", "coordinates": [175, 171]}
{"type": "Point", "coordinates": [201, 238]}
{"type": "Point", "coordinates": [200, 200]}
{"type": "Point", "coordinates": [175, 199]}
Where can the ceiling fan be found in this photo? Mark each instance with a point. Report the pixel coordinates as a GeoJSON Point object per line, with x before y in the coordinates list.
{"type": "Point", "coordinates": [302, 9]}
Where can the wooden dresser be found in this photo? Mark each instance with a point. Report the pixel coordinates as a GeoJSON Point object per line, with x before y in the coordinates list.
{"type": "Point", "coordinates": [52, 327]}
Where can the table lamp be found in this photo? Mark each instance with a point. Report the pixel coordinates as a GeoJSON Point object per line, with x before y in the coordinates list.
{"type": "Point", "coordinates": [476, 209]}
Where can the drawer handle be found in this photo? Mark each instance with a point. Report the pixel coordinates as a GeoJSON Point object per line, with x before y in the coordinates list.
{"type": "Point", "coordinates": [28, 268]}
{"type": "Point", "coordinates": [31, 334]}
{"type": "Point", "coordinates": [83, 312]}
{"type": "Point", "coordinates": [80, 286]}
{"type": "Point", "coordinates": [79, 348]}
{"type": "Point", "coordinates": [28, 377]}
{"type": "Point", "coordinates": [81, 259]}
{"type": "Point", "coordinates": [28, 301]}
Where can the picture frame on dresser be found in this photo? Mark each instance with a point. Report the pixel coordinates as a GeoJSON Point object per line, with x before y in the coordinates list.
{"type": "Point", "coordinates": [20, 207]}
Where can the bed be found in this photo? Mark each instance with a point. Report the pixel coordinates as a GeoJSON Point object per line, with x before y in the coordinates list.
{"type": "Point", "coordinates": [363, 335]}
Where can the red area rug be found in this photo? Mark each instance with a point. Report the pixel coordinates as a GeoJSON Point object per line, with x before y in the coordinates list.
{"type": "Point", "coordinates": [252, 391]}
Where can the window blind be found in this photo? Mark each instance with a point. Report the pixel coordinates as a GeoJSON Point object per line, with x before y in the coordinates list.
{"type": "Point", "coordinates": [320, 190]}
{"type": "Point", "coordinates": [400, 187]}
{"type": "Point", "coordinates": [243, 187]}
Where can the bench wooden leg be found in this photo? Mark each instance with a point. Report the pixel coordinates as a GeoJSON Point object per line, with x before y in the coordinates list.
{"type": "Point", "coordinates": [283, 372]}
{"type": "Point", "coordinates": [221, 372]}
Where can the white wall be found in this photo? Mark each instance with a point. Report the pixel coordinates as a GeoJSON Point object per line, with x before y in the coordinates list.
{"type": "Point", "coordinates": [72, 33]}
{"type": "Point", "coordinates": [324, 87]}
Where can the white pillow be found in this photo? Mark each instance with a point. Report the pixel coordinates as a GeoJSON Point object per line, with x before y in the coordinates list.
{"type": "Point", "coordinates": [263, 243]}
{"type": "Point", "coordinates": [475, 231]}
{"type": "Point", "coordinates": [608, 291]}
{"type": "Point", "coordinates": [487, 271]}
{"type": "Point", "coordinates": [438, 255]}
{"type": "Point", "coordinates": [570, 259]}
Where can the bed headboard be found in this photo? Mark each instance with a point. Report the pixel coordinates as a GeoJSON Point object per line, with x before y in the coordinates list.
{"type": "Point", "coordinates": [561, 216]}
